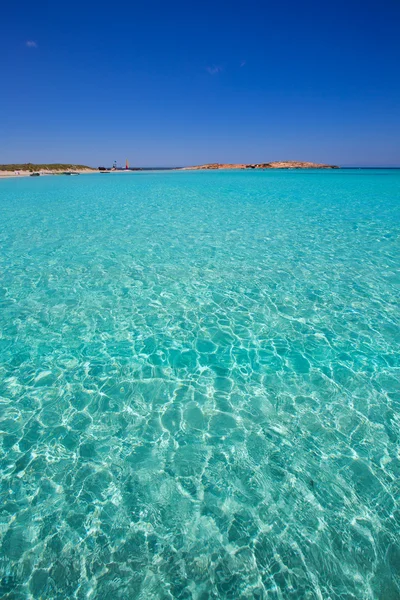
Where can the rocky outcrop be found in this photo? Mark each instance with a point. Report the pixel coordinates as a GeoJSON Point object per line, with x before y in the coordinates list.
{"type": "Point", "coordinates": [217, 166]}
{"type": "Point", "coordinates": [290, 164]}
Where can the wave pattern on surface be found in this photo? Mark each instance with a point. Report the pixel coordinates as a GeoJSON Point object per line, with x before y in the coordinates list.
{"type": "Point", "coordinates": [199, 389]}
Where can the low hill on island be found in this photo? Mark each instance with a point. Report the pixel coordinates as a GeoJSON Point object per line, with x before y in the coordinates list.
{"type": "Point", "coordinates": [53, 167]}
{"type": "Point", "coordinates": [289, 164]}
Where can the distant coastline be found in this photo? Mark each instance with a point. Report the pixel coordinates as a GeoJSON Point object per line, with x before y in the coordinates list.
{"type": "Point", "coordinates": [27, 169]}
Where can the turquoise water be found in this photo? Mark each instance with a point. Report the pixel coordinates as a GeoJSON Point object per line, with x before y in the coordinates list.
{"type": "Point", "coordinates": [199, 386]}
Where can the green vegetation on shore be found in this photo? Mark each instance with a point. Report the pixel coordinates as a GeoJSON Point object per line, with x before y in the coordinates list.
{"type": "Point", "coordinates": [51, 167]}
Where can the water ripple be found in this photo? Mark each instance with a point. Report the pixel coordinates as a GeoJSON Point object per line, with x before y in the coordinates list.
{"type": "Point", "coordinates": [199, 390]}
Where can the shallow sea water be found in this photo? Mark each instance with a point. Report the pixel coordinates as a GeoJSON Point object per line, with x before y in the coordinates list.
{"type": "Point", "coordinates": [199, 386]}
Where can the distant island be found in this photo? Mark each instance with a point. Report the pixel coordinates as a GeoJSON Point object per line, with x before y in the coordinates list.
{"type": "Point", "coordinates": [289, 164]}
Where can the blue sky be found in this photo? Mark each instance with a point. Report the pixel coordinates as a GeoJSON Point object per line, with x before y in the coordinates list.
{"type": "Point", "coordinates": [179, 83]}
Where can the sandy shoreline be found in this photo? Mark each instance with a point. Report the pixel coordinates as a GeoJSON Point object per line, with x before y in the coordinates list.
{"type": "Point", "coordinates": [14, 174]}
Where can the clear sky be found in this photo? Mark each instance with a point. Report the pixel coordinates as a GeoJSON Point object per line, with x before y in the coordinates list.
{"type": "Point", "coordinates": [179, 83]}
